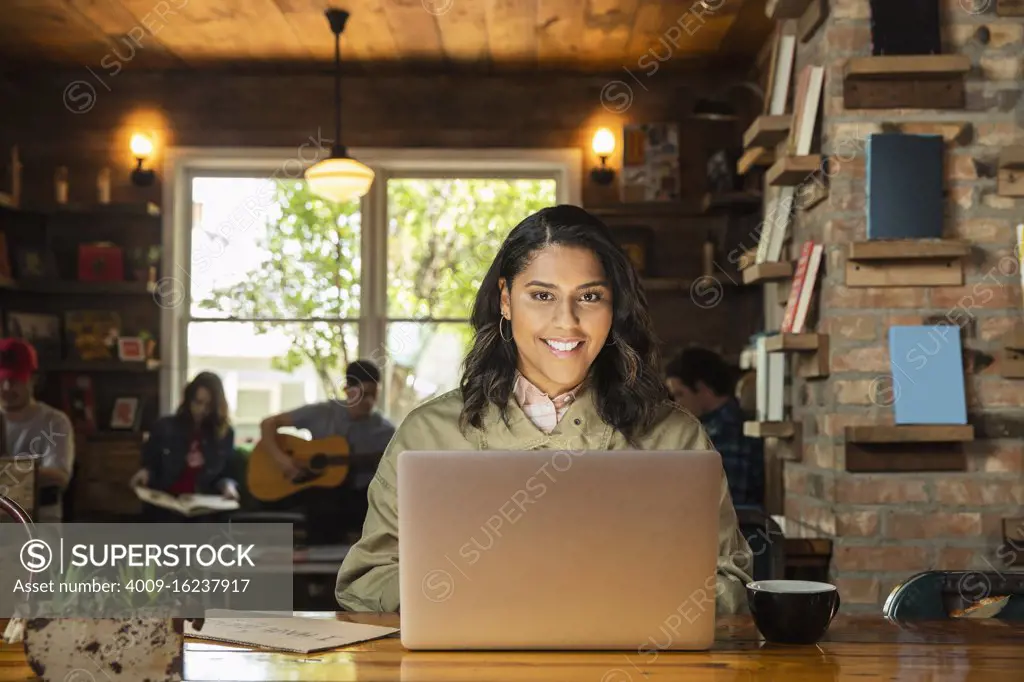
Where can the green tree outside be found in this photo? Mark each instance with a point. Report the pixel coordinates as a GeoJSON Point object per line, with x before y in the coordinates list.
{"type": "Point", "coordinates": [442, 236]}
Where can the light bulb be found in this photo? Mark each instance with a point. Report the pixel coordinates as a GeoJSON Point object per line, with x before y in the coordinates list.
{"type": "Point", "coordinates": [141, 145]}
{"type": "Point", "coordinates": [604, 142]}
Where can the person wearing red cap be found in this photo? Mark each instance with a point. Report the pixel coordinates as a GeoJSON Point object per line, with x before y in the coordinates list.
{"type": "Point", "coordinates": [35, 428]}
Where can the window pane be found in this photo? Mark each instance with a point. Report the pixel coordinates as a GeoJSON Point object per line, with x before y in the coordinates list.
{"type": "Point", "coordinates": [271, 367]}
{"type": "Point", "coordinates": [266, 248]}
{"type": "Point", "coordinates": [424, 359]}
{"type": "Point", "coordinates": [443, 235]}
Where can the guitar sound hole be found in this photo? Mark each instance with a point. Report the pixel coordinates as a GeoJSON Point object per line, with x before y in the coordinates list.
{"type": "Point", "coordinates": [318, 462]}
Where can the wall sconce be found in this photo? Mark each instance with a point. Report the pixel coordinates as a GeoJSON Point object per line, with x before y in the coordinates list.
{"type": "Point", "coordinates": [603, 145]}
{"type": "Point", "coordinates": [142, 149]}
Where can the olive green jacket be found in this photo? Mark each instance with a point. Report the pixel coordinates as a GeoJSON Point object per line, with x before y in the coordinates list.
{"type": "Point", "coordinates": [368, 578]}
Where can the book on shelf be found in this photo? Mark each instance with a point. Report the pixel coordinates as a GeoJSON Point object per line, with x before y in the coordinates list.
{"type": "Point", "coordinates": [805, 110]}
{"type": "Point", "coordinates": [927, 374]}
{"type": "Point", "coordinates": [186, 505]}
{"type": "Point", "coordinates": [801, 291]}
{"type": "Point", "coordinates": [780, 73]}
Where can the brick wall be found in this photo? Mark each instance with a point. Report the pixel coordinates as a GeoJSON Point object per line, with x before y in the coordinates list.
{"type": "Point", "coordinates": [888, 526]}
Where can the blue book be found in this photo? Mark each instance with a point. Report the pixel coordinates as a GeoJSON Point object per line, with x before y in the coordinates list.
{"type": "Point", "coordinates": [904, 183]}
{"type": "Point", "coordinates": [927, 374]}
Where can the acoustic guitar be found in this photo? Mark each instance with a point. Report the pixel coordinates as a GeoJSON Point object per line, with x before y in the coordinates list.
{"type": "Point", "coordinates": [324, 462]}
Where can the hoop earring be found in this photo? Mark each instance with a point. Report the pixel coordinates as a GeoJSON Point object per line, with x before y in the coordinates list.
{"type": "Point", "coordinates": [501, 318]}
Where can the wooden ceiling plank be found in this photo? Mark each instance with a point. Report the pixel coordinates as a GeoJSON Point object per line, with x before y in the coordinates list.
{"type": "Point", "coordinates": [367, 36]}
{"type": "Point", "coordinates": [46, 27]}
{"type": "Point", "coordinates": [749, 31]}
{"type": "Point", "coordinates": [608, 27]}
{"type": "Point", "coordinates": [134, 41]}
{"type": "Point", "coordinates": [463, 27]}
{"type": "Point", "coordinates": [512, 30]}
{"type": "Point", "coordinates": [646, 34]}
{"type": "Point", "coordinates": [559, 29]}
{"type": "Point", "coordinates": [415, 30]}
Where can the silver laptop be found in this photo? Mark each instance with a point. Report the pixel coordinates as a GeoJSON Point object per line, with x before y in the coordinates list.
{"type": "Point", "coordinates": [558, 550]}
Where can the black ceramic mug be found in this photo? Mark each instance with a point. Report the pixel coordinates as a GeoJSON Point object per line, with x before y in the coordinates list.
{"type": "Point", "coordinates": [792, 611]}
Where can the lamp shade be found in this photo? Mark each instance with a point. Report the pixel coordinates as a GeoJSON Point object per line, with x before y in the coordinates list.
{"type": "Point", "coordinates": [339, 179]}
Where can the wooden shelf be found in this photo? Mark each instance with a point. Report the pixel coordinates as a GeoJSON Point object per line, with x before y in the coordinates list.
{"type": "Point", "coordinates": [144, 209]}
{"type": "Point", "coordinates": [770, 429]}
{"type": "Point", "coordinates": [905, 82]}
{"type": "Point", "coordinates": [910, 433]}
{"type": "Point", "coordinates": [907, 448]}
{"type": "Point", "coordinates": [906, 262]}
{"type": "Point", "coordinates": [812, 352]}
{"type": "Point", "coordinates": [747, 259]}
{"type": "Point", "coordinates": [779, 10]}
{"type": "Point", "coordinates": [1011, 172]}
{"type": "Point", "coordinates": [731, 200]}
{"type": "Point", "coordinates": [86, 366]}
{"type": "Point", "coordinates": [78, 288]}
{"type": "Point", "coordinates": [791, 171]}
{"type": "Point", "coordinates": [753, 158]}
{"type": "Point", "coordinates": [767, 272]}
{"type": "Point", "coordinates": [767, 131]}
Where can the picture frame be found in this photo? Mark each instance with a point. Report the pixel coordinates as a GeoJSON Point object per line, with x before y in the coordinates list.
{"type": "Point", "coordinates": [42, 330]}
{"type": "Point", "coordinates": [125, 414]}
{"type": "Point", "coordinates": [131, 349]}
{"type": "Point", "coordinates": [35, 264]}
{"type": "Point", "coordinates": [637, 242]}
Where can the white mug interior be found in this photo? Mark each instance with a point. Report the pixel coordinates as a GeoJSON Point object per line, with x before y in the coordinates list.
{"type": "Point", "coordinates": [791, 586]}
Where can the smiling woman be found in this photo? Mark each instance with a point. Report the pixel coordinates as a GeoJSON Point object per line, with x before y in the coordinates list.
{"type": "Point", "coordinates": [563, 358]}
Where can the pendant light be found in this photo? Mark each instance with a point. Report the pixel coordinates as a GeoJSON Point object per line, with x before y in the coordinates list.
{"type": "Point", "coordinates": [340, 177]}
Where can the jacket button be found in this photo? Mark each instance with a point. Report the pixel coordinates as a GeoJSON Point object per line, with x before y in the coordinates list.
{"type": "Point", "coordinates": [577, 421]}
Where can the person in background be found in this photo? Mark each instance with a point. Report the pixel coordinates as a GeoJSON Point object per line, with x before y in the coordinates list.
{"type": "Point", "coordinates": [189, 451]}
{"type": "Point", "coordinates": [702, 382]}
{"type": "Point", "coordinates": [368, 433]}
{"type": "Point", "coordinates": [34, 428]}
{"type": "Point", "coordinates": [564, 356]}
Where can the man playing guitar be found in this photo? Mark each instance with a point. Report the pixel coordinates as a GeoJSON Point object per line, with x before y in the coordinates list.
{"type": "Point", "coordinates": [368, 433]}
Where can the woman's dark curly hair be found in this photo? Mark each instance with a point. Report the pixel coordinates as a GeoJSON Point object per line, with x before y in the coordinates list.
{"type": "Point", "coordinates": [625, 375]}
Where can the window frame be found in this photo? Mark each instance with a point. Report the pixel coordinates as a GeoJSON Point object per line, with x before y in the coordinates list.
{"type": "Point", "coordinates": [183, 164]}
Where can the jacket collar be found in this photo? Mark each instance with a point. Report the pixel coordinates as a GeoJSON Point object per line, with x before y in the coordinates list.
{"type": "Point", "coordinates": [581, 427]}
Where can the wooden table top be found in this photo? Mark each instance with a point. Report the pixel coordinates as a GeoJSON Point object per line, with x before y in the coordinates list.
{"type": "Point", "coordinates": [856, 649]}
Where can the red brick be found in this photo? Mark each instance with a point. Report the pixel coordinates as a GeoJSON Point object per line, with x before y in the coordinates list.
{"type": "Point", "coordinates": [795, 480]}
{"type": "Point", "coordinates": [858, 489]}
{"type": "Point", "coordinates": [848, 38]}
{"type": "Point", "coordinates": [856, 392]}
{"type": "Point", "coordinates": [846, 200]}
{"type": "Point", "coordinates": [997, 134]}
{"type": "Point", "coordinates": [984, 230]}
{"type": "Point", "coordinates": [957, 558]}
{"type": "Point", "coordinates": [875, 297]}
{"type": "Point", "coordinates": [1000, 202]}
{"type": "Point", "coordinates": [873, 558]}
{"type": "Point", "coordinates": [858, 523]}
{"type": "Point", "coordinates": [962, 196]}
{"type": "Point", "coordinates": [976, 492]}
{"type": "Point", "coordinates": [851, 9]}
{"type": "Point", "coordinates": [854, 168]}
{"type": "Point", "coordinates": [999, 457]}
{"type": "Point", "coordinates": [1000, 68]}
{"type": "Point", "coordinates": [1000, 34]}
{"type": "Point", "coordinates": [960, 167]}
{"type": "Point", "coordinates": [835, 424]}
{"type": "Point", "coordinates": [858, 590]}
{"type": "Point", "coordinates": [901, 320]}
{"type": "Point", "coordinates": [853, 327]}
{"type": "Point", "coordinates": [983, 295]}
{"type": "Point", "coordinates": [871, 359]}
{"type": "Point", "coordinates": [992, 527]}
{"type": "Point", "coordinates": [841, 231]}
{"type": "Point", "coordinates": [931, 525]}
{"type": "Point", "coordinates": [992, 392]}
{"type": "Point", "coordinates": [992, 328]}
{"type": "Point", "coordinates": [819, 454]}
